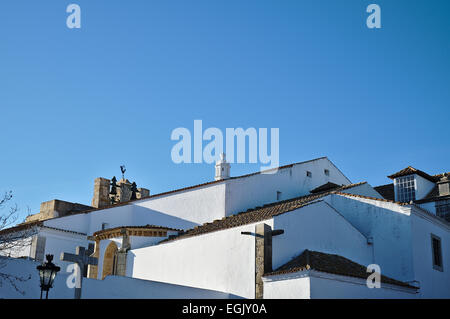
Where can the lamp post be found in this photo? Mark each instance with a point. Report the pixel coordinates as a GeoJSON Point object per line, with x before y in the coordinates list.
{"type": "Point", "coordinates": [47, 274]}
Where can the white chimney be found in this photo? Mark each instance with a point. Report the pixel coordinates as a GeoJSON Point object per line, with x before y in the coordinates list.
{"type": "Point", "coordinates": [444, 185]}
{"type": "Point", "coordinates": [222, 168]}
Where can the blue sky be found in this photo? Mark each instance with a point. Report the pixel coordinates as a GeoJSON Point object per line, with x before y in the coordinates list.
{"type": "Point", "coordinates": [77, 104]}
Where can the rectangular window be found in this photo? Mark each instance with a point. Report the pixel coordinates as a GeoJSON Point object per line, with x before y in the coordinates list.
{"type": "Point", "coordinates": [308, 173]}
{"type": "Point", "coordinates": [278, 195]}
{"type": "Point", "coordinates": [327, 172]}
{"type": "Point", "coordinates": [436, 250]}
{"type": "Point", "coordinates": [105, 226]}
{"type": "Point", "coordinates": [443, 209]}
{"type": "Point", "coordinates": [406, 188]}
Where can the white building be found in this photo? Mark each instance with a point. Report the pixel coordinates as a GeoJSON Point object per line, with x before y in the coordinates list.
{"type": "Point", "coordinates": [304, 231]}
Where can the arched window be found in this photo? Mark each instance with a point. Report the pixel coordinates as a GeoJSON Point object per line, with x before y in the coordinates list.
{"type": "Point", "coordinates": [110, 260]}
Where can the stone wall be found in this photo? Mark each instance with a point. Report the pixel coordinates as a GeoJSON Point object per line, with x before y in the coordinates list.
{"type": "Point", "coordinates": [56, 208]}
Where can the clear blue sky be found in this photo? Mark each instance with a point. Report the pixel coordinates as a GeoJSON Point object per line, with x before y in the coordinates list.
{"type": "Point", "coordinates": [76, 104]}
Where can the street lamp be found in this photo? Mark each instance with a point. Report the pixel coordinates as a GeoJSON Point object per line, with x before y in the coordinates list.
{"type": "Point", "coordinates": [47, 274]}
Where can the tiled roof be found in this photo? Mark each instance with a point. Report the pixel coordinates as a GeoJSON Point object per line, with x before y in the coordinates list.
{"type": "Point", "coordinates": [411, 170]}
{"type": "Point", "coordinates": [387, 191]}
{"type": "Point", "coordinates": [332, 264]}
{"type": "Point", "coordinates": [133, 228]}
{"type": "Point", "coordinates": [64, 230]}
{"type": "Point", "coordinates": [37, 223]}
{"type": "Point", "coordinates": [21, 227]}
{"type": "Point", "coordinates": [439, 176]}
{"type": "Point", "coordinates": [325, 187]}
{"type": "Point", "coordinates": [257, 214]}
{"type": "Point", "coordinates": [372, 198]}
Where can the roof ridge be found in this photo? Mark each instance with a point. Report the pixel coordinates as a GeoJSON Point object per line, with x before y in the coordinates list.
{"type": "Point", "coordinates": [148, 226]}
{"type": "Point", "coordinates": [373, 198]}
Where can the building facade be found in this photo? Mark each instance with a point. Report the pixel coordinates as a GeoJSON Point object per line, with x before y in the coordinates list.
{"type": "Point", "coordinates": [301, 231]}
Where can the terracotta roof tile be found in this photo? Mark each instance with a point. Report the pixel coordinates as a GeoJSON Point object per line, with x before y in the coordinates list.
{"type": "Point", "coordinates": [20, 227]}
{"type": "Point", "coordinates": [329, 263]}
{"type": "Point", "coordinates": [372, 198]}
{"type": "Point", "coordinates": [411, 170]}
{"type": "Point", "coordinates": [135, 227]}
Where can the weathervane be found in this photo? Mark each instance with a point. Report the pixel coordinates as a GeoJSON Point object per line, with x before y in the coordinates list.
{"type": "Point", "coordinates": [123, 170]}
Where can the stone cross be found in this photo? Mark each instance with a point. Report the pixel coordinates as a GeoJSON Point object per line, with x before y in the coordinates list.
{"type": "Point", "coordinates": [82, 259]}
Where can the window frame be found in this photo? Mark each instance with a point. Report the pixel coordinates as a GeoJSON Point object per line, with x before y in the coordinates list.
{"type": "Point", "coordinates": [405, 188]}
{"type": "Point", "coordinates": [441, 266]}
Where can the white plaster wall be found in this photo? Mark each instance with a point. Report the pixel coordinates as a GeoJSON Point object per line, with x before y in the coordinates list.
{"type": "Point", "coordinates": [318, 227]}
{"type": "Point", "coordinates": [423, 187]}
{"type": "Point", "coordinates": [59, 242]}
{"type": "Point", "coordinates": [113, 287]}
{"type": "Point", "coordinates": [295, 288]}
{"type": "Point", "coordinates": [115, 217]}
{"type": "Point", "coordinates": [222, 261]}
{"type": "Point", "coordinates": [116, 287]}
{"type": "Point", "coordinates": [260, 189]}
{"type": "Point", "coordinates": [77, 223]}
{"type": "Point", "coordinates": [18, 248]}
{"type": "Point", "coordinates": [29, 288]}
{"type": "Point", "coordinates": [343, 287]}
{"type": "Point", "coordinates": [143, 215]}
{"type": "Point", "coordinates": [389, 226]}
{"type": "Point", "coordinates": [194, 206]}
{"type": "Point", "coordinates": [142, 241]}
{"type": "Point", "coordinates": [316, 285]}
{"type": "Point", "coordinates": [433, 283]}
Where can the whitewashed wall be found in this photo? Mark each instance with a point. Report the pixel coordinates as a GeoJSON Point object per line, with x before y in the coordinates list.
{"type": "Point", "coordinates": [423, 187]}
{"type": "Point", "coordinates": [293, 288]}
{"type": "Point", "coordinates": [433, 283]}
{"type": "Point", "coordinates": [78, 223]}
{"type": "Point", "coordinates": [318, 285]}
{"type": "Point", "coordinates": [390, 227]}
{"type": "Point", "coordinates": [113, 287]}
{"type": "Point", "coordinates": [58, 242]}
{"type": "Point", "coordinates": [257, 190]}
{"type": "Point", "coordinates": [222, 261]}
{"type": "Point", "coordinates": [318, 227]}
{"type": "Point", "coordinates": [116, 287]}
{"type": "Point", "coordinates": [197, 206]}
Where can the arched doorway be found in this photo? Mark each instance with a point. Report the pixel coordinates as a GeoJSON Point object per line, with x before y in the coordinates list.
{"type": "Point", "coordinates": [110, 260]}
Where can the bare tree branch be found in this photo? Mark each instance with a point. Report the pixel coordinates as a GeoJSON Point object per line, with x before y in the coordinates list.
{"type": "Point", "coordinates": [11, 243]}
